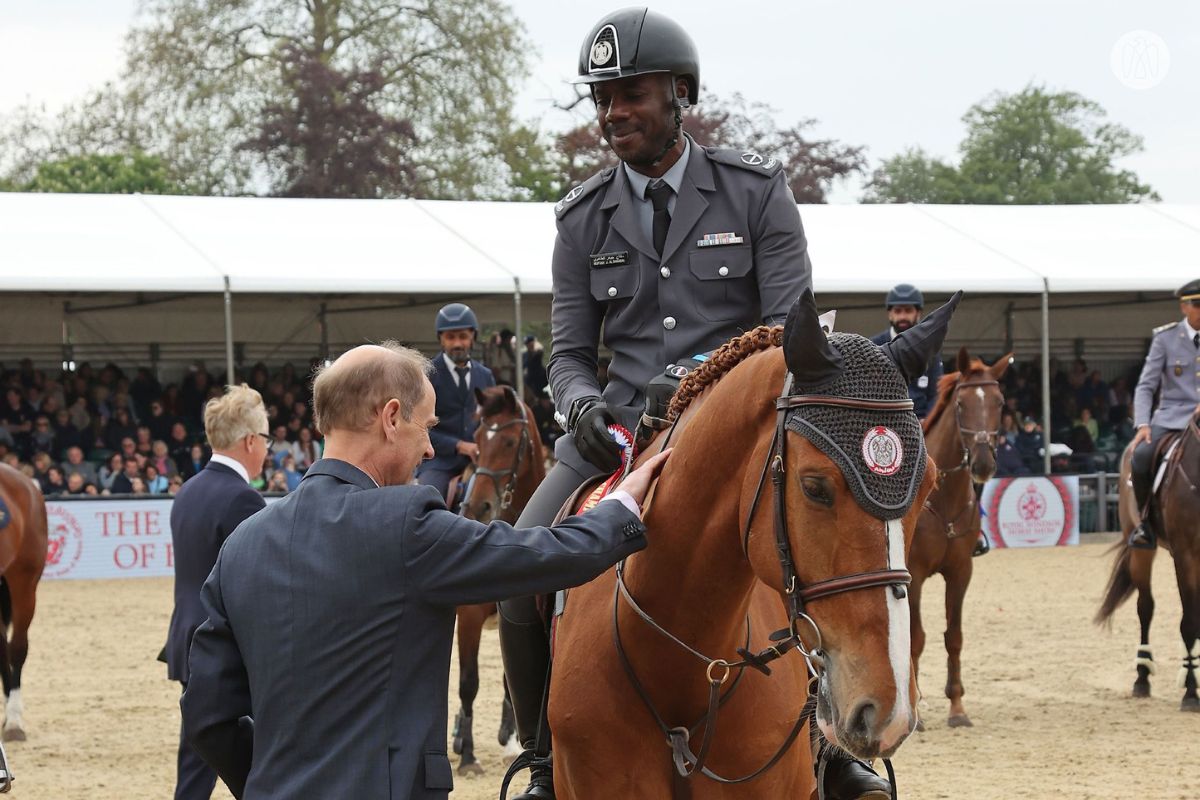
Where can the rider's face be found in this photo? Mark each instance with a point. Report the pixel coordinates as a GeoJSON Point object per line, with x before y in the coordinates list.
{"type": "Point", "coordinates": [636, 116]}
{"type": "Point", "coordinates": [457, 344]}
{"type": "Point", "coordinates": [1191, 311]}
{"type": "Point", "coordinates": [903, 317]}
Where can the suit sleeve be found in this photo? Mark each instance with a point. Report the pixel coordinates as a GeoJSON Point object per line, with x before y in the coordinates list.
{"type": "Point", "coordinates": [575, 319]}
{"type": "Point", "coordinates": [452, 560]}
{"type": "Point", "coordinates": [243, 506]}
{"type": "Point", "coordinates": [780, 252]}
{"type": "Point", "coordinates": [1148, 383]}
{"type": "Point", "coordinates": [217, 697]}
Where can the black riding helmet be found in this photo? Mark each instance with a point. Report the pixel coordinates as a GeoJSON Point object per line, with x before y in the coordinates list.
{"type": "Point", "coordinates": [905, 294]}
{"type": "Point", "coordinates": [638, 41]}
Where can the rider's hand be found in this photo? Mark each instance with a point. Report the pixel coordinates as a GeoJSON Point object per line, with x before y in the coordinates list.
{"type": "Point", "coordinates": [1142, 435]}
{"type": "Point", "coordinates": [637, 483]}
{"type": "Point", "coordinates": [468, 449]}
{"type": "Point", "coordinates": [593, 440]}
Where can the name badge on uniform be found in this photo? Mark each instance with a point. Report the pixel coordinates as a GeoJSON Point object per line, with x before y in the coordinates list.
{"type": "Point", "coordinates": [617, 259]}
{"type": "Point", "coordinates": [718, 239]}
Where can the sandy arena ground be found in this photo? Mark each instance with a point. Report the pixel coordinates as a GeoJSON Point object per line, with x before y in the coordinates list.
{"type": "Point", "coordinates": [1048, 692]}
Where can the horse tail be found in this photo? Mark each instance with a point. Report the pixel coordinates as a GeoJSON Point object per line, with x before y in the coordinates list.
{"type": "Point", "coordinates": [1120, 585]}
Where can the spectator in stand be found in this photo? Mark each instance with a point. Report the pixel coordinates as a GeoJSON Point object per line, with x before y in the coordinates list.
{"type": "Point", "coordinates": [172, 402]}
{"type": "Point", "coordinates": [180, 447]}
{"type": "Point", "coordinates": [1088, 422]}
{"type": "Point", "coordinates": [122, 483]}
{"type": "Point", "coordinates": [277, 483]}
{"type": "Point", "coordinates": [1008, 460]}
{"type": "Point", "coordinates": [305, 450]}
{"type": "Point", "coordinates": [17, 417]}
{"type": "Point", "coordinates": [145, 391]}
{"type": "Point", "coordinates": [1031, 444]}
{"type": "Point", "coordinates": [12, 459]}
{"type": "Point", "coordinates": [54, 482]}
{"type": "Point", "coordinates": [194, 392]}
{"type": "Point", "coordinates": [280, 443]}
{"type": "Point", "coordinates": [144, 442]}
{"type": "Point", "coordinates": [66, 435]}
{"type": "Point", "coordinates": [76, 485]}
{"type": "Point", "coordinates": [159, 421]}
{"type": "Point", "coordinates": [1008, 427]}
{"type": "Point", "coordinates": [137, 485]}
{"type": "Point", "coordinates": [111, 469]}
{"type": "Point", "coordinates": [1094, 394]}
{"type": "Point", "coordinates": [42, 438]}
{"type": "Point", "coordinates": [174, 484]}
{"type": "Point", "coordinates": [128, 448]}
{"type": "Point", "coordinates": [196, 461]}
{"type": "Point", "coordinates": [161, 460]}
{"type": "Point", "coordinates": [290, 474]}
{"type": "Point", "coordinates": [534, 370]}
{"type": "Point", "coordinates": [156, 483]}
{"type": "Point", "coordinates": [81, 418]}
{"type": "Point", "coordinates": [120, 427]}
{"type": "Point", "coordinates": [1119, 401]}
{"type": "Point", "coordinates": [75, 465]}
{"type": "Point", "coordinates": [41, 466]}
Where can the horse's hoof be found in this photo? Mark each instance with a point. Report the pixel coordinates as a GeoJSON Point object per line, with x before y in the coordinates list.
{"type": "Point", "coordinates": [1141, 690]}
{"type": "Point", "coordinates": [920, 726]}
{"type": "Point", "coordinates": [473, 768]}
{"type": "Point", "coordinates": [14, 734]}
{"type": "Point", "coordinates": [960, 721]}
{"type": "Point", "coordinates": [1187, 704]}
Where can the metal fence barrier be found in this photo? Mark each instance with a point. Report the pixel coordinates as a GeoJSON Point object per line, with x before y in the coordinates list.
{"type": "Point", "coordinates": [1098, 508]}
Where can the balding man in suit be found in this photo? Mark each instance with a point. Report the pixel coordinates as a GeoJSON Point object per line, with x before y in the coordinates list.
{"type": "Point", "coordinates": [331, 613]}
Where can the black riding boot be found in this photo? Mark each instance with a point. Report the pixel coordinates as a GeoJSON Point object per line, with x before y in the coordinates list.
{"type": "Point", "coordinates": [526, 655]}
{"type": "Point", "coordinates": [1142, 474]}
{"type": "Point", "coordinates": [847, 778]}
{"type": "Point", "coordinates": [982, 546]}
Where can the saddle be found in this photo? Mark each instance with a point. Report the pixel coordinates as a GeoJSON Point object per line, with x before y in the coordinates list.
{"type": "Point", "coordinates": [1166, 454]}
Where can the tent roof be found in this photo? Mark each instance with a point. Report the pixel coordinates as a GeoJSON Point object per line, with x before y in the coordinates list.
{"type": "Point", "coordinates": [58, 242]}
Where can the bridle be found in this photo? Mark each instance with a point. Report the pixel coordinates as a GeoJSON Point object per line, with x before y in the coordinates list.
{"type": "Point", "coordinates": [974, 437]}
{"type": "Point", "coordinates": [512, 473]}
{"type": "Point", "coordinates": [718, 670]}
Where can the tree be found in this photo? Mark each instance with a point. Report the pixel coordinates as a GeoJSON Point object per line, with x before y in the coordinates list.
{"type": "Point", "coordinates": [104, 174]}
{"type": "Point", "coordinates": [1031, 147]}
{"type": "Point", "coordinates": [812, 164]}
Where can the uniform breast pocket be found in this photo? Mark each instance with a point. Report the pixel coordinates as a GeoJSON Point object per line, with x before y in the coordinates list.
{"type": "Point", "coordinates": [615, 283]}
{"type": "Point", "coordinates": [724, 281]}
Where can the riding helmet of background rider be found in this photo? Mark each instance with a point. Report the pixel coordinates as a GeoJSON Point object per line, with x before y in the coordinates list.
{"type": "Point", "coordinates": [904, 305]}
{"type": "Point", "coordinates": [457, 328]}
{"type": "Point", "coordinates": [638, 41]}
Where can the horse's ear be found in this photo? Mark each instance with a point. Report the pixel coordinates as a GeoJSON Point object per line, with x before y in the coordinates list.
{"type": "Point", "coordinates": [1000, 367]}
{"type": "Point", "coordinates": [478, 397]}
{"type": "Point", "coordinates": [510, 398]}
{"type": "Point", "coordinates": [963, 364]}
{"type": "Point", "coordinates": [912, 350]}
{"type": "Point", "coordinates": [810, 357]}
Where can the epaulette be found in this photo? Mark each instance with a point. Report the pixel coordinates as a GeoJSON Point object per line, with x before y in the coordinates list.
{"type": "Point", "coordinates": [1162, 328]}
{"type": "Point", "coordinates": [747, 160]}
{"type": "Point", "coordinates": [571, 198]}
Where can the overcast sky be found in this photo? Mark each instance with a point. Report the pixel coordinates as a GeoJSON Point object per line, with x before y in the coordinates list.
{"type": "Point", "coordinates": [885, 74]}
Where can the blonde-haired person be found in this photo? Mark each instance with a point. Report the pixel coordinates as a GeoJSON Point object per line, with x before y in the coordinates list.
{"type": "Point", "coordinates": [352, 580]}
{"type": "Point", "coordinates": [207, 509]}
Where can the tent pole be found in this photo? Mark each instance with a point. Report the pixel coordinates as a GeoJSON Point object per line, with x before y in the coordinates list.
{"type": "Point", "coordinates": [518, 343]}
{"type": "Point", "coordinates": [1046, 428]}
{"type": "Point", "coordinates": [229, 376]}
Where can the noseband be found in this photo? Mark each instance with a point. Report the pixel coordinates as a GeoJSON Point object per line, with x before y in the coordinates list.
{"type": "Point", "coordinates": [718, 670]}
{"type": "Point", "coordinates": [513, 473]}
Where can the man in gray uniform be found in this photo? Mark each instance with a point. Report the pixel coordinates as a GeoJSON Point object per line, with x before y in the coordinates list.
{"type": "Point", "coordinates": [672, 253]}
{"type": "Point", "coordinates": [1172, 366]}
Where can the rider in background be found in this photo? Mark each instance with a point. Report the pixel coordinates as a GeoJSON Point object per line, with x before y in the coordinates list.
{"type": "Point", "coordinates": [455, 377]}
{"type": "Point", "coordinates": [904, 304]}
{"type": "Point", "coordinates": [1173, 370]}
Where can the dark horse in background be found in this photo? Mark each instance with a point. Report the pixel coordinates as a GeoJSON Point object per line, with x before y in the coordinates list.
{"type": "Point", "coordinates": [1175, 507]}
{"type": "Point", "coordinates": [960, 434]}
{"type": "Point", "coordinates": [510, 465]}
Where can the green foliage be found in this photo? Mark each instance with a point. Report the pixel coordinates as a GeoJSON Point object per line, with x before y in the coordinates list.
{"type": "Point", "coordinates": [104, 174]}
{"type": "Point", "coordinates": [1033, 147]}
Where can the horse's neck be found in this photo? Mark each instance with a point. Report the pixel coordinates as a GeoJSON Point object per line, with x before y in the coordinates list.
{"type": "Point", "coordinates": [944, 444]}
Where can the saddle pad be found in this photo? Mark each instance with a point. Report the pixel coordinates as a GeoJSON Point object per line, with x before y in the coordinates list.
{"type": "Point", "coordinates": [1164, 463]}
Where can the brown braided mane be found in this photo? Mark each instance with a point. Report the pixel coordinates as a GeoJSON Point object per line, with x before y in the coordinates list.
{"type": "Point", "coordinates": [725, 358]}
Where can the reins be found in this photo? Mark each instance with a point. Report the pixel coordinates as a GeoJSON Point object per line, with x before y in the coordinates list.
{"type": "Point", "coordinates": [505, 495]}
{"type": "Point", "coordinates": [949, 527]}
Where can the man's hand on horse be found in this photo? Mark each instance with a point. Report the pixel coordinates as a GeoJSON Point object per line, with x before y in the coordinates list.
{"type": "Point", "coordinates": [1142, 435]}
{"type": "Point", "coordinates": [468, 449]}
{"type": "Point", "coordinates": [637, 483]}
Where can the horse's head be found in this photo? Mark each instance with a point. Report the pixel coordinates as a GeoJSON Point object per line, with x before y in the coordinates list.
{"type": "Point", "coordinates": [854, 476]}
{"type": "Point", "coordinates": [978, 403]}
{"type": "Point", "coordinates": [506, 451]}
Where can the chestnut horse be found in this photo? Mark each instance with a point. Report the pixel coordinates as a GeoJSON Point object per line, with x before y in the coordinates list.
{"type": "Point", "coordinates": [960, 434]}
{"type": "Point", "coordinates": [645, 654]}
{"type": "Point", "coordinates": [510, 465]}
{"type": "Point", "coordinates": [1176, 510]}
{"type": "Point", "coordinates": [23, 542]}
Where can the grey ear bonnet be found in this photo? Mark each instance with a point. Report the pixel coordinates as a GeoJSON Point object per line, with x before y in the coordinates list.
{"type": "Point", "coordinates": [880, 453]}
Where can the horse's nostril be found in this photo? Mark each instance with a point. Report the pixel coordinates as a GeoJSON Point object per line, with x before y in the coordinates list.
{"type": "Point", "coordinates": [862, 720]}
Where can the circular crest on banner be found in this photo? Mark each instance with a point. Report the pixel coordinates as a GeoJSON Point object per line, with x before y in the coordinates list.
{"type": "Point", "coordinates": [1030, 512]}
{"type": "Point", "coordinates": [882, 451]}
{"type": "Point", "coordinates": [64, 543]}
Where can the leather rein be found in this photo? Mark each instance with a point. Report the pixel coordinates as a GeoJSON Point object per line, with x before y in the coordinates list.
{"type": "Point", "coordinates": [505, 495]}
{"type": "Point", "coordinates": [949, 527]}
{"type": "Point", "coordinates": [718, 670]}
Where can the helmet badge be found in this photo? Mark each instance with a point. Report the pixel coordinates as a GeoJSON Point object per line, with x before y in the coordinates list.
{"type": "Point", "coordinates": [605, 54]}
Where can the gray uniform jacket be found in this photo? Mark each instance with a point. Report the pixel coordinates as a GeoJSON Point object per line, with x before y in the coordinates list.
{"type": "Point", "coordinates": [1173, 365]}
{"type": "Point", "coordinates": [608, 277]}
{"type": "Point", "coordinates": [330, 618]}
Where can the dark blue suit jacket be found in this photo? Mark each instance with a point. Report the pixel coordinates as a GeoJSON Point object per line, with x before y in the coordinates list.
{"type": "Point", "coordinates": [456, 420]}
{"type": "Point", "coordinates": [923, 389]}
{"type": "Point", "coordinates": [330, 619]}
{"type": "Point", "coordinates": [206, 510]}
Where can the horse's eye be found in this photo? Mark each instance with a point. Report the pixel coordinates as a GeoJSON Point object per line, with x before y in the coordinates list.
{"type": "Point", "coordinates": [817, 490]}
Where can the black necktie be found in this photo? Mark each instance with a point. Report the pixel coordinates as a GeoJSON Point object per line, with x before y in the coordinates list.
{"type": "Point", "coordinates": [463, 391]}
{"type": "Point", "coordinates": [1196, 341]}
{"type": "Point", "coordinates": [659, 193]}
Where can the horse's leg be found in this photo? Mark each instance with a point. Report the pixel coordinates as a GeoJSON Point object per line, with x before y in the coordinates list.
{"type": "Point", "coordinates": [958, 578]}
{"type": "Point", "coordinates": [507, 735]}
{"type": "Point", "coordinates": [1140, 564]}
{"type": "Point", "coordinates": [23, 589]}
{"type": "Point", "coordinates": [470, 628]}
{"type": "Point", "coordinates": [917, 635]}
{"type": "Point", "coordinates": [1188, 575]}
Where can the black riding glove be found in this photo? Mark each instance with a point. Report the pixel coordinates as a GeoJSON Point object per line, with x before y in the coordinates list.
{"type": "Point", "coordinates": [593, 440]}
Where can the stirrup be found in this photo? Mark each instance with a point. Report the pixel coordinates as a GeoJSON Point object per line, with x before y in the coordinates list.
{"type": "Point", "coordinates": [528, 759]}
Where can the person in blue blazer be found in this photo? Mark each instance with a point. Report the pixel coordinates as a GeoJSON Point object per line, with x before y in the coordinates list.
{"type": "Point", "coordinates": [455, 377]}
{"type": "Point", "coordinates": [207, 508]}
{"type": "Point", "coordinates": [323, 668]}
